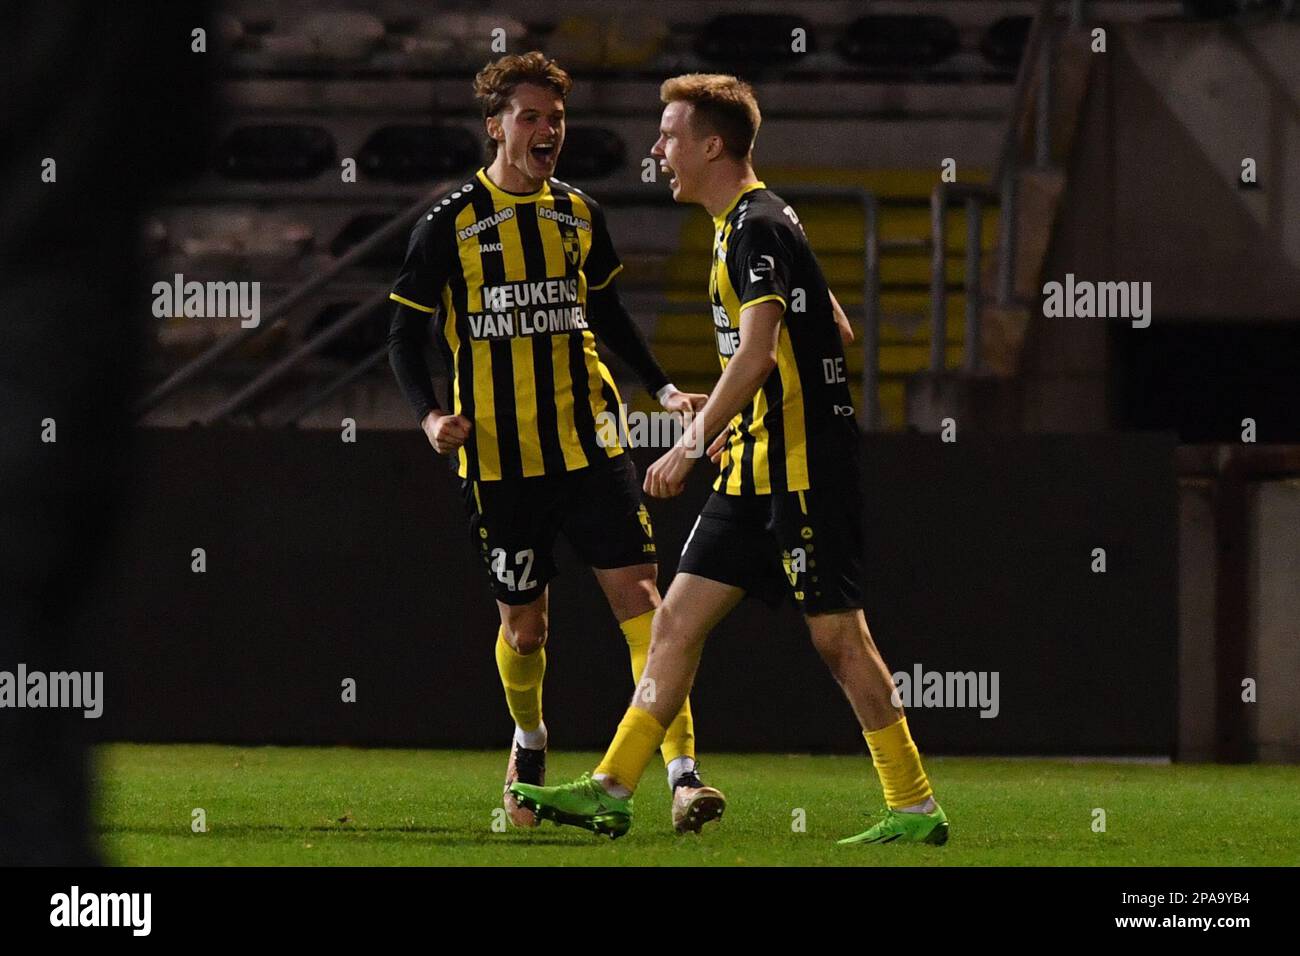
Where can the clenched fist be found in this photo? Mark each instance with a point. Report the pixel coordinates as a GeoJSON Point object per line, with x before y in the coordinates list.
{"type": "Point", "coordinates": [446, 433]}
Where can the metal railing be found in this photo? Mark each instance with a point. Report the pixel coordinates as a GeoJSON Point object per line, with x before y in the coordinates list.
{"type": "Point", "coordinates": [975, 197]}
{"type": "Point", "coordinates": [1039, 54]}
{"type": "Point", "coordinates": [869, 415]}
{"type": "Point", "coordinates": [278, 370]}
{"type": "Point", "coordinates": [336, 385]}
{"type": "Point", "coordinates": [1036, 55]}
{"type": "Point", "coordinates": [223, 347]}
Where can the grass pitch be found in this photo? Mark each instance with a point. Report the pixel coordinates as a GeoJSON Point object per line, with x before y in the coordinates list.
{"type": "Point", "coordinates": [271, 806]}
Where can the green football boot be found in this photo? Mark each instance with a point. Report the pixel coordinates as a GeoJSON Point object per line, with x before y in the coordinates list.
{"type": "Point", "coordinates": [929, 827]}
{"type": "Point", "coordinates": [583, 803]}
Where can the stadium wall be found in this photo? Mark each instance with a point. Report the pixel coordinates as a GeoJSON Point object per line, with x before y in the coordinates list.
{"type": "Point", "coordinates": [1155, 189]}
{"type": "Point", "coordinates": [1270, 606]}
{"type": "Point", "coordinates": [328, 560]}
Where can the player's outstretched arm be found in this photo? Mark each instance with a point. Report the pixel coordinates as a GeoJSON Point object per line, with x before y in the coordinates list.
{"type": "Point", "coordinates": [614, 326]}
{"type": "Point", "coordinates": [747, 370]}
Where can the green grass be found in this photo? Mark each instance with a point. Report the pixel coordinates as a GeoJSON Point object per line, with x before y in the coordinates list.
{"type": "Point", "coordinates": [272, 806]}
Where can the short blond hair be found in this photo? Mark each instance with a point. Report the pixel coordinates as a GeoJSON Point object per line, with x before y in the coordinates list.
{"type": "Point", "coordinates": [723, 105]}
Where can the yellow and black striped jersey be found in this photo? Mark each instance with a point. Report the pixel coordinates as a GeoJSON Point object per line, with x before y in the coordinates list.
{"type": "Point", "coordinates": [801, 421]}
{"type": "Point", "coordinates": [507, 276]}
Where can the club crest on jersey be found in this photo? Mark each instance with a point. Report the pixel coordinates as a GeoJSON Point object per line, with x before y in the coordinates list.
{"type": "Point", "coordinates": [644, 517]}
{"type": "Point", "coordinates": [572, 249]}
{"type": "Point", "coordinates": [791, 572]}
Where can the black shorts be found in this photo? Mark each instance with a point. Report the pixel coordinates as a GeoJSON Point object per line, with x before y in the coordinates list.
{"type": "Point", "coordinates": [807, 545]}
{"type": "Point", "coordinates": [514, 523]}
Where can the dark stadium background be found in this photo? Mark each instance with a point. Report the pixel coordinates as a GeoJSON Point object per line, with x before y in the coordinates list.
{"type": "Point", "coordinates": [329, 559]}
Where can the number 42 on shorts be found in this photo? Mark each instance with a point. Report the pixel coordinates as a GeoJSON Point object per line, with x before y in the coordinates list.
{"type": "Point", "coordinates": [523, 561]}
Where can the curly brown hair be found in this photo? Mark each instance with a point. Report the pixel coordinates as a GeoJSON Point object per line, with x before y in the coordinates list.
{"type": "Point", "coordinates": [722, 104]}
{"type": "Point", "coordinates": [496, 82]}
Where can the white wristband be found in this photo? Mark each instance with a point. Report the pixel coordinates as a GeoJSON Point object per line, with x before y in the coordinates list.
{"type": "Point", "coordinates": [665, 392]}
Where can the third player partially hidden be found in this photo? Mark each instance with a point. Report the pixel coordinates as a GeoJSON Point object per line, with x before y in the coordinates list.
{"type": "Point", "coordinates": [786, 512]}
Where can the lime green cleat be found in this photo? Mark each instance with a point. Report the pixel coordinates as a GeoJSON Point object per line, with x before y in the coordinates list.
{"type": "Point", "coordinates": [929, 827]}
{"type": "Point", "coordinates": [583, 803]}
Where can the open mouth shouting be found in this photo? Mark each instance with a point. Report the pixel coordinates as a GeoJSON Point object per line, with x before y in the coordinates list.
{"type": "Point", "coordinates": [668, 171]}
{"type": "Point", "coordinates": [544, 153]}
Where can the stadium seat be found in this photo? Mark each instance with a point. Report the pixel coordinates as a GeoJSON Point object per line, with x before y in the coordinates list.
{"type": "Point", "coordinates": [578, 42]}
{"type": "Point", "coordinates": [230, 31]}
{"type": "Point", "coordinates": [453, 41]}
{"type": "Point", "coordinates": [1212, 9]}
{"type": "Point", "coordinates": [279, 151]}
{"type": "Point", "coordinates": [614, 42]}
{"type": "Point", "coordinates": [1004, 42]}
{"type": "Point", "coordinates": [406, 154]}
{"type": "Point", "coordinates": [332, 37]}
{"type": "Point", "coordinates": [753, 40]}
{"type": "Point", "coordinates": [427, 49]}
{"type": "Point", "coordinates": [590, 152]}
{"type": "Point", "coordinates": [899, 41]}
{"type": "Point", "coordinates": [226, 238]}
{"type": "Point", "coordinates": [634, 40]}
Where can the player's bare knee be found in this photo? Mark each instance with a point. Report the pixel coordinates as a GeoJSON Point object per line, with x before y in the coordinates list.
{"type": "Point", "coordinates": [641, 597]}
{"type": "Point", "coordinates": [630, 591]}
{"type": "Point", "coordinates": [527, 636]}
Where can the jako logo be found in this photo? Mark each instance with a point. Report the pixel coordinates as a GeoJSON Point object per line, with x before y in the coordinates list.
{"type": "Point", "coordinates": [489, 247]}
{"type": "Point", "coordinates": [103, 909]}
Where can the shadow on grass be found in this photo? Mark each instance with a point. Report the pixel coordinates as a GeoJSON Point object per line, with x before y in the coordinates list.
{"type": "Point", "coordinates": [415, 835]}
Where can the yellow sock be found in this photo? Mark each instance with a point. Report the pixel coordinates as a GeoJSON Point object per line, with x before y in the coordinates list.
{"type": "Point", "coordinates": [639, 736]}
{"type": "Point", "coordinates": [899, 765]}
{"type": "Point", "coordinates": [521, 676]}
{"type": "Point", "coordinates": [680, 738]}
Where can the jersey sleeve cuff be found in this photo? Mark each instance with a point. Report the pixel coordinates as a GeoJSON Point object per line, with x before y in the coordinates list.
{"type": "Point", "coordinates": [415, 305]}
{"type": "Point", "coordinates": [596, 287]}
{"type": "Point", "coordinates": [765, 298]}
